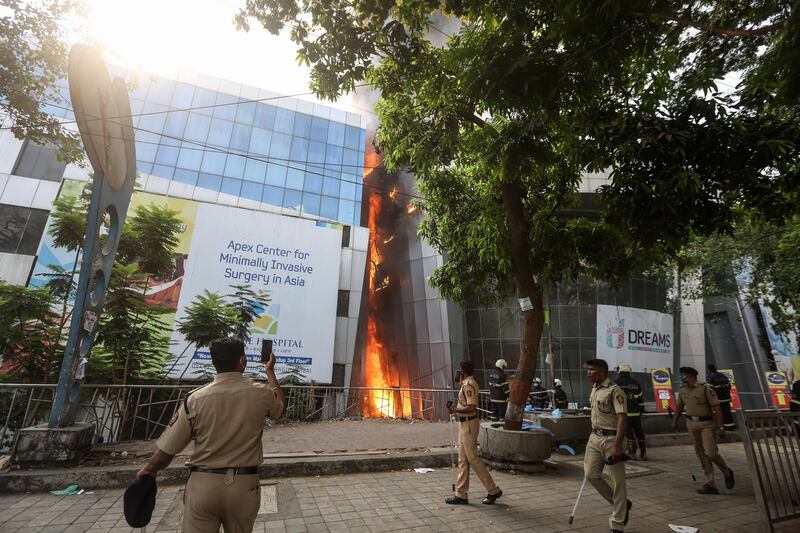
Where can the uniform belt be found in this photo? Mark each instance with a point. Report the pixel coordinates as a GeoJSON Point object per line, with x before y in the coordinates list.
{"type": "Point", "coordinates": [237, 470]}
{"type": "Point", "coordinates": [466, 418]}
{"type": "Point", "coordinates": [700, 418]}
{"type": "Point", "coordinates": [499, 401]}
{"type": "Point", "coordinates": [604, 432]}
{"type": "Point", "coordinates": [724, 401]}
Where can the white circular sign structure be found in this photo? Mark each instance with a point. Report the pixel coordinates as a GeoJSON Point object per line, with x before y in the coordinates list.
{"type": "Point", "coordinates": [104, 124]}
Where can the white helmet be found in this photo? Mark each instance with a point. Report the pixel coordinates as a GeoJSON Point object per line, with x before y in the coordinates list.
{"type": "Point", "coordinates": [557, 382]}
{"type": "Point", "coordinates": [537, 380]}
{"type": "Point", "coordinates": [625, 367]}
{"type": "Point", "coordinates": [501, 363]}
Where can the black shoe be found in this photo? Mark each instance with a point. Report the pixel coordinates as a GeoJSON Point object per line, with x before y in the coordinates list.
{"type": "Point", "coordinates": [616, 531]}
{"type": "Point", "coordinates": [729, 480]}
{"type": "Point", "coordinates": [708, 489]}
{"type": "Point", "coordinates": [627, 513]}
{"type": "Point", "coordinates": [491, 498]}
{"type": "Point", "coordinates": [455, 500]}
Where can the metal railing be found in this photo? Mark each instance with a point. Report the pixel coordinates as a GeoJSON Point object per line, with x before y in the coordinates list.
{"type": "Point", "coordinates": [134, 412]}
{"type": "Point", "coordinates": [772, 444]}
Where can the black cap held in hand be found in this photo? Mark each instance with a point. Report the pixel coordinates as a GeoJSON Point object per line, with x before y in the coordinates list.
{"type": "Point", "coordinates": [139, 501]}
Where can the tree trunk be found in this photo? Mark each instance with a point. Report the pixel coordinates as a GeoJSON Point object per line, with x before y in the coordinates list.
{"type": "Point", "coordinates": [527, 287]}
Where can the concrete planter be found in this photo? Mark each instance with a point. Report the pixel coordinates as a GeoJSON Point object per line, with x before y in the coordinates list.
{"type": "Point", "coordinates": [523, 451]}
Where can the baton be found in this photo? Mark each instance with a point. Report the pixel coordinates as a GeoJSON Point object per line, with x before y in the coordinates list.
{"type": "Point", "coordinates": [575, 507]}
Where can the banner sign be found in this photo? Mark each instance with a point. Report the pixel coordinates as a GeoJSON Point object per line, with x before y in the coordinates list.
{"type": "Point", "coordinates": [295, 260]}
{"type": "Point", "coordinates": [640, 337]}
{"type": "Point", "coordinates": [783, 346]}
{"type": "Point", "coordinates": [662, 388]}
{"type": "Point", "coordinates": [736, 403]}
{"type": "Point", "coordinates": [778, 385]}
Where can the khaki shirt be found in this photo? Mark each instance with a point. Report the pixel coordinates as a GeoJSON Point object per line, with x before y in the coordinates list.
{"type": "Point", "coordinates": [698, 400]}
{"type": "Point", "coordinates": [607, 400]}
{"type": "Point", "coordinates": [226, 419]}
{"type": "Point", "coordinates": [468, 395]}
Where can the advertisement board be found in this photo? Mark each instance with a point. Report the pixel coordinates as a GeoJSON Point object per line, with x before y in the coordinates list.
{"type": "Point", "coordinates": [640, 337]}
{"type": "Point", "coordinates": [778, 384]}
{"type": "Point", "coordinates": [662, 389]}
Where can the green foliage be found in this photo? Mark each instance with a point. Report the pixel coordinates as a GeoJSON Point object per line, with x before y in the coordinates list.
{"type": "Point", "coordinates": [150, 238]}
{"type": "Point", "coordinates": [133, 336]}
{"type": "Point", "coordinates": [33, 53]}
{"type": "Point", "coordinates": [68, 222]}
{"type": "Point", "coordinates": [61, 283]}
{"type": "Point", "coordinates": [208, 317]}
{"type": "Point", "coordinates": [28, 332]}
{"type": "Point", "coordinates": [248, 305]}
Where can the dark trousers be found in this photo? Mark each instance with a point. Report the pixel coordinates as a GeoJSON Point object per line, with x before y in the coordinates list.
{"type": "Point", "coordinates": [727, 416]}
{"type": "Point", "coordinates": [499, 410]}
{"type": "Point", "coordinates": [636, 434]}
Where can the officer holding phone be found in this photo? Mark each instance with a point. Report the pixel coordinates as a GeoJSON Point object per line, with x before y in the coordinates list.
{"type": "Point", "coordinates": [225, 418]}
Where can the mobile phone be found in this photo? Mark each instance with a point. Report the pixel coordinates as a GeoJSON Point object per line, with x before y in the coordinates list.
{"type": "Point", "coordinates": [266, 349]}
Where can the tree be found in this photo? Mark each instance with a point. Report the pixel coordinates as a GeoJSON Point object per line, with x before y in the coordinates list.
{"type": "Point", "coordinates": [150, 238]}
{"type": "Point", "coordinates": [500, 120]}
{"type": "Point", "coordinates": [33, 53]}
{"type": "Point", "coordinates": [248, 306]}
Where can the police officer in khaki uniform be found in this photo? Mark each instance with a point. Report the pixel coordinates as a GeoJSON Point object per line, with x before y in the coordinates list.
{"type": "Point", "coordinates": [468, 426]}
{"type": "Point", "coordinates": [225, 419]}
{"type": "Point", "coordinates": [609, 424]}
{"type": "Point", "coordinates": [703, 415]}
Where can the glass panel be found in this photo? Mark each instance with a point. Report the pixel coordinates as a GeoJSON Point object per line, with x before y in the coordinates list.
{"type": "Point", "coordinates": [292, 199]}
{"type": "Point", "coordinates": [40, 162]}
{"type": "Point", "coordinates": [255, 171]}
{"type": "Point", "coordinates": [197, 127]}
{"type": "Point", "coordinates": [284, 120]}
{"type": "Point", "coordinates": [272, 195]}
{"type": "Point", "coordinates": [490, 323]}
{"type": "Point", "coordinates": [316, 152]}
{"type": "Point", "coordinates": [167, 155]}
{"type": "Point", "coordinates": [144, 167]}
{"type": "Point", "coordinates": [265, 116]}
{"type": "Point", "coordinates": [260, 141]}
{"type": "Point", "coordinates": [204, 98]}
{"type": "Point", "coordinates": [176, 123]}
{"type": "Point", "coordinates": [185, 176]}
{"type": "Point", "coordinates": [246, 112]}
{"type": "Point", "coordinates": [302, 125]}
{"type": "Point", "coordinates": [319, 129]}
{"type": "Point", "coordinates": [330, 186]}
{"type": "Point", "coordinates": [225, 106]}
{"type": "Point", "coordinates": [350, 161]}
{"type": "Point", "coordinates": [299, 149]}
{"type": "Point", "coordinates": [163, 171]}
{"type": "Point", "coordinates": [346, 211]}
{"type": "Point", "coordinates": [311, 203]}
{"type": "Point", "coordinates": [329, 208]}
{"type": "Point", "coordinates": [347, 190]}
{"type": "Point", "coordinates": [209, 181]}
{"type": "Point", "coordinates": [276, 174]}
{"type": "Point", "coordinates": [234, 166]}
{"type": "Point", "coordinates": [333, 156]}
{"type": "Point", "coordinates": [220, 133]}
{"type": "Point", "coordinates": [336, 133]}
{"type": "Point", "coordinates": [213, 162]}
{"type": "Point", "coordinates": [352, 137]}
{"type": "Point", "coordinates": [161, 91]}
{"type": "Point", "coordinates": [294, 179]}
{"type": "Point", "coordinates": [359, 192]}
{"type": "Point", "coordinates": [231, 186]}
{"type": "Point", "coordinates": [190, 158]}
{"type": "Point", "coordinates": [153, 122]}
{"type": "Point", "coordinates": [183, 95]}
{"type": "Point", "coordinates": [146, 151]}
{"type": "Point", "coordinates": [252, 191]}
{"type": "Point", "coordinates": [240, 140]}
{"type": "Point", "coordinates": [281, 146]}
{"type": "Point", "coordinates": [312, 182]}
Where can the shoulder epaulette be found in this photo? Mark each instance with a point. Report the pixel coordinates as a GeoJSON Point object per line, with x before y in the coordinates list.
{"type": "Point", "coordinates": [186, 398]}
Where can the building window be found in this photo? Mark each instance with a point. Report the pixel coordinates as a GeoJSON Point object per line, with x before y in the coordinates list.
{"type": "Point", "coordinates": [21, 229]}
{"type": "Point", "coordinates": [343, 303]}
{"type": "Point", "coordinates": [345, 236]}
{"type": "Point", "coordinates": [40, 162]}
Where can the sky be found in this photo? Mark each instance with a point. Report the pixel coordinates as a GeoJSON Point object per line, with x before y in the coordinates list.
{"type": "Point", "coordinates": [158, 36]}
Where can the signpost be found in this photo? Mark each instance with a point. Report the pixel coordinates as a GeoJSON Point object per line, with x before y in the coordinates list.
{"type": "Point", "coordinates": [778, 384]}
{"type": "Point", "coordinates": [662, 387]}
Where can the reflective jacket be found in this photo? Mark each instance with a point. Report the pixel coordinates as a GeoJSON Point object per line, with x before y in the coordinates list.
{"type": "Point", "coordinates": [721, 384]}
{"type": "Point", "coordinates": [498, 385]}
{"type": "Point", "coordinates": [633, 391]}
{"type": "Point", "coordinates": [560, 398]}
{"type": "Point", "coordinates": [538, 397]}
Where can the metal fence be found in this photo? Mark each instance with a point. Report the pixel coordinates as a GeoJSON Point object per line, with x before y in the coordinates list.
{"type": "Point", "coordinates": [772, 444]}
{"type": "Point", "coordinates": [133, 412]}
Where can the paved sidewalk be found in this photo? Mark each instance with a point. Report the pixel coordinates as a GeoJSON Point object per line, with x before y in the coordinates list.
{"type": "Point", "coordinates": [662, 491]}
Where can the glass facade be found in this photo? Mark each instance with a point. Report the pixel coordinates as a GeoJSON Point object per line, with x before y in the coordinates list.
{"type": "Point", "coordinates": [253, 149]}
{"type": "Point", "coordinates": [494, 333]}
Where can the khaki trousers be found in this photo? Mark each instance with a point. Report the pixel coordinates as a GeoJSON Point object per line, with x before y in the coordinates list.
{"type": "Point", "coordinates": [468, 457]}
{"type": "Point", "coordinates": [705, 446]}
{"type": "Point", "coordinates": [594, 461]}
{"type": "Point", "coordinates": [212, 500]}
